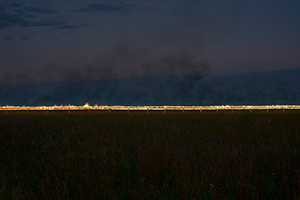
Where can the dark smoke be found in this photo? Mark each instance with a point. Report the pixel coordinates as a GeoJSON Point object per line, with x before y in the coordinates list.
{"type": "Point", "coordinates": [126, 72]}
{"type": "Point", "coordinates": [121, 62]}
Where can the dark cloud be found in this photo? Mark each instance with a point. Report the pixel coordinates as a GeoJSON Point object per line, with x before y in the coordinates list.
{"type": "Point", "coordinates": [17, 38]}
{"type": "Point", "coordinates": [68, 27]}
{"type": "Point", "coordinates": [146, 8]}
{"type": "Point", "coordinates": [7, 20]}
{"type": "Point", "coordinates": [2, 8]}
{"type": "Point", "coordinates": [14, 5]}
{"type": "Point", "coordinates": [48, 22]}
{"type": "Point", "coordinates": [8, 38]}
{"type": "Point", "coordinates": [182, 8]}
{"type": "Point", "coordinates": [18, 14]}
{"type": "Point", "coordinates": [23, 37]}
{"type": "Point", "coordinates": [107, 7]}
{"type": "Point", "coordinates": [4, 24]}
{"type": "Point", "coordinates": [40, 10]}
{"type": "Point", "coordinates": [21, 8]}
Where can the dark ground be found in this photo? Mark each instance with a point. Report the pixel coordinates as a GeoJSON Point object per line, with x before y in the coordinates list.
{"type": "Point", "coordinates": [205, 155]}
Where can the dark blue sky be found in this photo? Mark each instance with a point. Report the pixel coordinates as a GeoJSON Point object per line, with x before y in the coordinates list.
{"type": "Point", "coordinates": [72, 39]}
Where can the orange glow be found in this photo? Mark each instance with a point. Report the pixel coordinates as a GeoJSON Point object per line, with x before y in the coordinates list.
{"type": "Point", "coordinates": [149, 108]}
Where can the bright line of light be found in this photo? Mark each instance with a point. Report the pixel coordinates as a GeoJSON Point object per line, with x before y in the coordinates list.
{"type": "Point", "coordinates": [149, 108]}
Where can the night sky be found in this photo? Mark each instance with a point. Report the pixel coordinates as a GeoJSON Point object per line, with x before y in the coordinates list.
{"type": "Point", "coordinates": [172, 52]}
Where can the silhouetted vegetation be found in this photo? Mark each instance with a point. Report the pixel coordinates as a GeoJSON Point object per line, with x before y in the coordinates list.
{"type": "Point", "coordinates": [139, 156]}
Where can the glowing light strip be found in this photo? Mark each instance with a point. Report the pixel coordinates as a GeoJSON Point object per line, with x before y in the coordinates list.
{"type": "Point", "coordinates": [150, 108]}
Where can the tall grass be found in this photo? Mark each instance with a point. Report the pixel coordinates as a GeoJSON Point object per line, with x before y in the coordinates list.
{"type": "Point", "coordinates": [175, 156]}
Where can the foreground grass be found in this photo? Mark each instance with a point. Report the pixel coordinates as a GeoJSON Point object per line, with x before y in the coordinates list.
{"type": "Point", "coordinates": [184, 156]}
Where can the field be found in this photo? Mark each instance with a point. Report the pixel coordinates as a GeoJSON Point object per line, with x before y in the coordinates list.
{"type": "Point", "coordinates": [150, 156]}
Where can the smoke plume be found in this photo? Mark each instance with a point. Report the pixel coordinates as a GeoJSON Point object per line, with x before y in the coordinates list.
{"type": "Point", "coordinates": [120, 62]}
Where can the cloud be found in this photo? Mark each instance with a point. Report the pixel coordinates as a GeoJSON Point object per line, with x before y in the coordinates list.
{"type": "Point", "coordinates": [7, 20]}
{"type": "Point", "coordinates": [14, 5]}
{"type": "Point", "coordinates": [40, 10]}
{"type": "Point", "coordinates": [23, 37]}
{"type": "Point", "coordinates": [8, 38]}
{"type": "Point", "coordinates": [69, 26]}
{"type": "Point", "coordinates": [18, 14]}
{"type": "Point", "coordinates": [48, 22]}
{"type": "Point", "coordinates": [20, 7]}
{"type": "Point", "coordinates": [18, 37]}
{"type": "Point", "coordinates": [107, 7]}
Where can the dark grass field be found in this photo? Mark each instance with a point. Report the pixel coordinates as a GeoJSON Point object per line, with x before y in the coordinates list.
{"type": "Point", "coordinates": [150, 156]}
